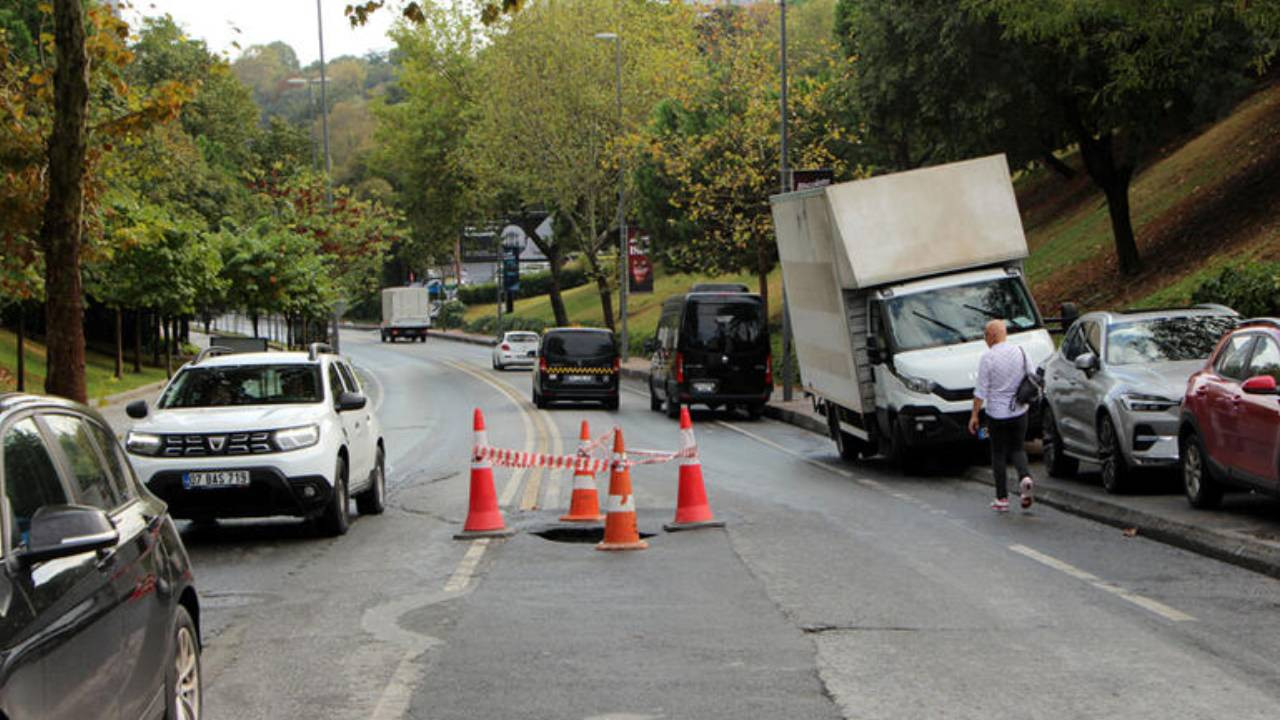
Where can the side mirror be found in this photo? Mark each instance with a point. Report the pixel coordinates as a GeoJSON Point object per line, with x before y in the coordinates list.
{"type": "Point", "coordinates": [650, 345]}
{"type": "Point", "coordinates": [59, 531]}
{"type": "Point", "coordinates": [136, 409]}
{"type": "Point", "coordinates": [1260, 385]}
{"type": "Point", "coordinates": [351, 401]}
{"type": "Point", "coordinates": [1068, 312]}
{"type": "Point", "coordinates": [1087, 362]}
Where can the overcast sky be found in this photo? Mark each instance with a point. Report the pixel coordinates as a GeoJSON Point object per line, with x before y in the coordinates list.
{"type": "Point", "coordinates": [264, 21]}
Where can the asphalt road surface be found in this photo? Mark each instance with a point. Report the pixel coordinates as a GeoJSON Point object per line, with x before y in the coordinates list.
{"type": "Point", "coordinates": [836, 590]}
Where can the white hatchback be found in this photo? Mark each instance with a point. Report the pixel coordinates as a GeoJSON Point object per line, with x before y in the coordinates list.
{"type": "Point", "coordinates": [516, 347]}
{"type": "Point", "coordinates": [262, 434]}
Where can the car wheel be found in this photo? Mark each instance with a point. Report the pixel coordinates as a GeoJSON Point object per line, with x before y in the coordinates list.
{"type": "Point", "coordinates": [1115, 471]}
{"type": "Point", "coordinates": [671, 406]}
{"type": "Point", "coordinates": [1055, 460]}
{"type": "Point", "coordinates": [384, 337]}
{"type": "Point", "coordinates": [755, 410]}
{"type": "Point", "coordinates": [654, 403]}
{"type": "Point", "coordinates": [611, 403]}
{"type": "Point", "coordinates": [183, 689]}
{"type": "Point", "coordinates": [1202, 490]}
{"type": "Point", "coordinates": [337, 518]}
{"type": "Point", "coordinates": [374, 500]}
{"type": "Point", "coordinates": [538, 402]}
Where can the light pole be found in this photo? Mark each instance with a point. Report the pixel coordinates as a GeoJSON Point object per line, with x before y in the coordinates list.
{"type": "Point", "coordinates": [328, 165]}
{"type": "Point", "coordinates": [624, 252]}
{"type": "Point", "coordinates": [311, 107]}
{"type": "Point", "coordinates": [785, 174]}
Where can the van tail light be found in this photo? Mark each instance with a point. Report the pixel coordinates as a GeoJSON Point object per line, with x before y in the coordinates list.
{"type": "Point", "coordinates": [506, 346]}
{"type": "Point", "coordinates": [542, 363]}
{"type": "Point", "coordinates": [768, 370]}
{"type": "Point", "coordinates": [679, 367]}
{"type": "Point", "coordinates": [617, 364]}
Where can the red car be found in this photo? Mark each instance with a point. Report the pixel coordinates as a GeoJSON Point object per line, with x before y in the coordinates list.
{"type": "Point", "coordinates": [1230, 434]}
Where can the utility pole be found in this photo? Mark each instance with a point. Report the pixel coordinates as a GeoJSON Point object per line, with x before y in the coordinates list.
{"type": "Point", "coordinates": [324, 129]}
{"type": "Point", "coordinates": [785, 174]}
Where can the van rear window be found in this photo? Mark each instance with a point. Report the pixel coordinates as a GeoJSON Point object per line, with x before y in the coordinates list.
{"type": "Point", "coordinates": [578, 345]}
{"type": "Point", "coordinates": [725, 326]}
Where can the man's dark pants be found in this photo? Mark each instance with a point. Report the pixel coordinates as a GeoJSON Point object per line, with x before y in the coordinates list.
{"type": "Point", "coordinates": [1008, 438]}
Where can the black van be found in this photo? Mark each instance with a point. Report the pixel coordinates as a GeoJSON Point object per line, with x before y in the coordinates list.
{"type": "Point", "coordinates": [711, 348]}
{"type": "Point", "coordinates": [577, 364]}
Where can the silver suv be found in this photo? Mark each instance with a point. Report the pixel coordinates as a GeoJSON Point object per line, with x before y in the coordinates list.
{"type": "Point", "coordinates": [1114, 389]}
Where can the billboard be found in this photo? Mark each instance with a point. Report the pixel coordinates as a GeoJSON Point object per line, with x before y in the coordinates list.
{"type": "Point", "coordinates": [639, 269]}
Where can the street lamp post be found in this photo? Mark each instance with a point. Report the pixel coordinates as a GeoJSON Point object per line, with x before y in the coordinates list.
{"type": "Point", "coordinates": [785, 173]}
{"type": "Point", "coordinates": [624, 254]}
{"type": "Point", "coordinates": [328, 165]}
{"type": "Point", "coordinates": [311, 108]}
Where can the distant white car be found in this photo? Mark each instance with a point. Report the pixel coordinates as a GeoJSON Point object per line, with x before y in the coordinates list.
{"type": "Point", "coordinates": [261, 434]}
{"type": "Point", "coordinates": [516, 348]}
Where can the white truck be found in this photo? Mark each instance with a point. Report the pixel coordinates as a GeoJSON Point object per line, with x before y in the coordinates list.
{"type": "Point", "coordinates": [890, 281]}
{"type": "Point", "coordinates": [406, 313]}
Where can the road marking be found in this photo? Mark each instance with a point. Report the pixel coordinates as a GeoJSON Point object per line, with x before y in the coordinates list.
{"type": "Point", "coordinates": [766, 441]}
{"type": "Point", "coordinates": [508, 494]}
{"type": "Point", "coordinates": [1141, 601]}
{"type": "Point", "coordinates": [467, 568]}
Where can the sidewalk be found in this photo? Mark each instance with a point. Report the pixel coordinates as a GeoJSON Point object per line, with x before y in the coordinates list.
{"type": "Point", "coordinates": [1245, 532]}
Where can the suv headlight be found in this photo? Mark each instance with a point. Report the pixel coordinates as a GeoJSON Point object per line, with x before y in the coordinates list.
{"type": "Point", "coordinates": [1137, 402]}
{"type": "Point", "coordinates": [915, 384]}
{"type": "Point", "coordinates": [297, 438]}
{"type": "Point", "coordinates": [140, 443]}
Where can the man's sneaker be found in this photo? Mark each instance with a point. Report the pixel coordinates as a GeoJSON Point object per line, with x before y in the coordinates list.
{"type": "Point", "coordinates": [1000, 505]}
{"type": "Point", "coordinates": [1027, 498]}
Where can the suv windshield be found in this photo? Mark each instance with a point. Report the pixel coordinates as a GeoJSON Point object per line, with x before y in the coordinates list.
{"type": "Point", "coordinates": [724, 326]}
{"type": "Point", "coordinates": [243, 385]}
{"type": "Point", "coordinates": [1165, 339]}
{"type": "Point", "coordinates": [951, 315]}
{"type": "Point", "coordinates": [578, 345]}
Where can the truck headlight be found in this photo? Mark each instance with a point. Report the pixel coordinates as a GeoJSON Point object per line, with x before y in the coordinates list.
{"type": "Point", "coordinates": [297, 438]}
{"type": "Point", "coordinates": [140, 443]}
{"type": "Point", "coordinates": [1137, 402]}
{"type": "Point", "coordinates": [916, 385]}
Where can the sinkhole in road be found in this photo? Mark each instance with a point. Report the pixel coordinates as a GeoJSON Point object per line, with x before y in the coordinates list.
{"type": "Point", "coordinates": [588, 534]}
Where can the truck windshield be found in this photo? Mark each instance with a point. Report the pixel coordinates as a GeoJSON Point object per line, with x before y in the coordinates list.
{"type": "Point", "coordinates": [243, 385]}
{"type": "Point", "coordinates": [1166, 339]}
{"type": "Point", "coordinates": [951, 315]}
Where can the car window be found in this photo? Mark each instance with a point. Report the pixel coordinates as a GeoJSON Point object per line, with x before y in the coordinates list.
{"type": "Point", "coordinates": [725, 326]}
{"type": "Point", "coordinates": [1093, 337]}
{"type": "Point", "coordinates": [1165, 339]}
{"type": "Point", "coordinates": [1231, 363]}
{"type": "Point", "coordinates": [91, 482]}
{"type": "Point", "coordinates": [335, 382]}
{"type": "Point", "coordinates": [1073, 346]}
{"type": "Point", "coordinates": [349, 377]}
{"type": "Point", "coordinates": [522, 337]}
{"type": "Point", "coordinates": [578, 345]}
{"type": "Point", "coordinates": [230, 385]}
{"type": "Point", "coordinates": [117, 465]}
{"type": "Point", "coordinates": [1266, 359]}
{"type": "Point", "coordinates": [30, 477]}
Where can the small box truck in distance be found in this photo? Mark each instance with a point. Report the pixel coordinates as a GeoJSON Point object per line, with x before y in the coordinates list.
{"type": "Point", "coordinates": [406, 313]}
{"type": "Point", "coordinates": [890, 282]}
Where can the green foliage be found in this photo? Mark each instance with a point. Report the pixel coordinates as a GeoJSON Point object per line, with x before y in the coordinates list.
{"type": "Point", "coordinates": [452, 315]}
{"type": "Point", "coordinates": [1252, 290]}
{"type": "Point", "coordinates": [531, 285]}
{"type": "Point", "coordinates": [490, 325]}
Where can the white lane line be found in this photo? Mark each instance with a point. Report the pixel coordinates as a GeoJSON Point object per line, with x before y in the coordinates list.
{"type": "Point", "coordinates": [766, 441]}
{"type": "Point", "coordinates": [393, 702]}
{"type": "Point", "coordinates": [1141, 601]}
{"type": "Point", "coordinates": [467, 568]}
{"type": "Point", "coordinates": [508, 494]}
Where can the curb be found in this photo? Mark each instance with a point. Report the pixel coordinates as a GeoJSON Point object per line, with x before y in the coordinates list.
{"type": "Point", "coordinates": [1251, 555]}
{"type": "Point", "coordinates": [459, 337]}
{"type": "Point", "coordinates": [800, 420]}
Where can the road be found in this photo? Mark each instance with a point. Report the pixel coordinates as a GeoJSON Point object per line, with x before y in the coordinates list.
{"type": "Point", "coordinates": [836, 590]}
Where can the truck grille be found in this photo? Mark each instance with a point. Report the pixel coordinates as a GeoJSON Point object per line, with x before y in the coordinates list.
{"type": "Point", "coordinates": [213, 444]}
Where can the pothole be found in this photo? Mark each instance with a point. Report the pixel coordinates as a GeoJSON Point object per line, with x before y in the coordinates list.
{"type": "Point", "coordinates": [590, 534]}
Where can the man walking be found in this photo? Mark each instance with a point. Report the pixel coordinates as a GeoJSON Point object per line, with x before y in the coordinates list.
{"type": "Point", "coordinates": [1000, 371]}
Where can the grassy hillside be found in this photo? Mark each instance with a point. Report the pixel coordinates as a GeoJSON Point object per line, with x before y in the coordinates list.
{"type": "Point", "coordinates": [99, 369]}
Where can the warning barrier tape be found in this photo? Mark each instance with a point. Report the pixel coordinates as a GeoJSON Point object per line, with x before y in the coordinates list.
{"type": "Point", "coordinates": [580, 463]}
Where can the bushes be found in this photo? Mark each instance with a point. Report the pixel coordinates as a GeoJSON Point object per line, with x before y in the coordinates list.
{"type": "Point", "coordinates": [531, 285]}
{"type": "Point", "coordinates": [451, 315]}
{"type": "Point", "coordinates": [489, 325]}
{"type": "Point", "coordinates": [1252, 290]}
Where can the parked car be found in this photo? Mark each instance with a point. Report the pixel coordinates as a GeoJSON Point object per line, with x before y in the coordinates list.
{"type": "Point", "coordinates": [1114, 389]}
{"type": "Point", "coordinates": [711, 348]}
{"type": "Point", "coordinates": [515, 348]}
{"type": "Point", "coordinates": [99, 615]}
{"type": "Point", "coordinates": [262, 434]}
{"type": "Point", "coordinates": [1230, 433]}
{"type": "Point", "coordinates": [577, 364]}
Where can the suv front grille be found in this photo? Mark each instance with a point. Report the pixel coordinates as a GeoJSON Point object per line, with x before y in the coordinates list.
{"type": "Point", "coordinates": [213, 444]}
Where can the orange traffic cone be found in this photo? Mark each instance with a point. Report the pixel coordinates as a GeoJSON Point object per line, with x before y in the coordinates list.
{"type": "Point", "coordinates": [692, 509]}
{"type": "Point", "coordinates": [484, 519]}
{"type": "Point", "coordinates": [620, 531]}
{"type": "Point", "coordinates": [584, 506]}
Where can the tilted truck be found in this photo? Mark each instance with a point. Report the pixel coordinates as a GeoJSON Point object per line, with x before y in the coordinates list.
{"type": "Point", "coordinates": [406, 313]}
{"type": "Point", "coordinates": [890, 282]}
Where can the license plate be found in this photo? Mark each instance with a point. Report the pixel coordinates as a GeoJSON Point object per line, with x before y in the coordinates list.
{"type": "Point", "coordinates": [704, 387]}
{"type": "Point", "coordinates": [578, 379]}
{"type": "Point", "coordinates": [215, 479]}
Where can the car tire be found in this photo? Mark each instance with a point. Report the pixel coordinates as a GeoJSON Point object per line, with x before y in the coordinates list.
{"type": "Point", "coordinates": [184, 691]}
{"type": "Point", "coordinates": [1057, 462]}
{"type": "Point", "coordinates": [1203, 491]}
{"type": "Point", "coordinates": [374, 500]}
{"type": "Point", "coordinates": [671, 407]}
{"type": "Point", "coordinates": [755, 410]}
{"type": "Point", "coordinates": [611, 403]}
{"type": "Point", "coordinates": [538, 402]}
{"type": "Point", "coordinates": [654, 403]}
{"type": "Point", "coordinates": [336, 517]}
{"type": "Point", "coordinates": [1116, 475]}
{"type": "Point", "coordinates": [384, 337]}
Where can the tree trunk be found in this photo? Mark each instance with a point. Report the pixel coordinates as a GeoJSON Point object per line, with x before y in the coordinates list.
{"type": "Point", "coordinates": [156, 338]}
{"type": "Point", "coordinates": [606, 301]}
{"type": "Point", "coordinates": [22, 349]}
{"type": "Point", "coordinates": [61, 228]}
{"type": "Point", "coordinates": [556, 293]}
{"type": "Point", "coordinates": [255, 324]}
{"type": "Point", "coordinates": [119, 343]}
{"type": "Point", "coordinates": [1052, 162]}
{"type": "Point", "coordinates": [762, 271]}
{"type": "Point", "coordinates": [1113, 179]}
{"type": "Point", "coordinates": [137, 341]}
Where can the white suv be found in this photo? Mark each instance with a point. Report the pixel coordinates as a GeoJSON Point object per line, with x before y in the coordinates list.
{"type": "Point", "coordinates": [262, 434]}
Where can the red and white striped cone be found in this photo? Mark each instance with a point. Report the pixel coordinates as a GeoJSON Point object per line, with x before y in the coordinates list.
{"type": "Point", "coordinates": [620, 531]}
{"type": "Point", "coordinates": [692, 509]}
{"type": "Point", "coordinates": [584, 505]}
{"type": "Point", "coordinates": [484, 518]}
